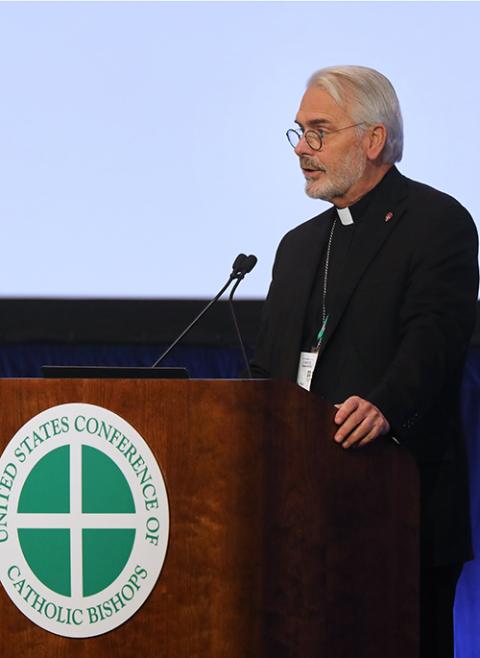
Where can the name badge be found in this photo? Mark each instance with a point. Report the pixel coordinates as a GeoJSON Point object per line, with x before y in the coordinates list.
{"type": "Point", "coordinates": [306, 366]}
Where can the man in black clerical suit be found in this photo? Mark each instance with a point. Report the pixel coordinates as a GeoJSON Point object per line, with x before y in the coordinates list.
{"type": "Point", "coordinates": [372, 306]}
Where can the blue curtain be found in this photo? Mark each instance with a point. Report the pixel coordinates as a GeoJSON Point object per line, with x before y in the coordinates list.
{"type": "Point", "coordinates": [202, 362]}
{"type": "Point", "coordinates": [467, 603]}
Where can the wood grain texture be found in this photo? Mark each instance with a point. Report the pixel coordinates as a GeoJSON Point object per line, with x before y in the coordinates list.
{"type": "Point", "coordinates": [282, 544]}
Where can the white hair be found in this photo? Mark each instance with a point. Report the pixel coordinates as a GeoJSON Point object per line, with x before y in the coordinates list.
{"type": "Point", "coordinates": [373, 101]}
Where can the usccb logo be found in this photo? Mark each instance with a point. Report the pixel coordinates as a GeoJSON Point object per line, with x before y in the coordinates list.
{"type": "Point", "coordinates": [83, 520]}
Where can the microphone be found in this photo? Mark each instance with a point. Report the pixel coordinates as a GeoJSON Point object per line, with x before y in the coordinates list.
{"type": "Point", "coordinates": [240, 267]}
{"type": "Point", "coordinates": [238, 263]}
{"type": "Point", "coordinates": [246, 266]}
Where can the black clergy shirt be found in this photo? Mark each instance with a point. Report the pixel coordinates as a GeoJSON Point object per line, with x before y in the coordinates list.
{"type": "Point", "coordinates": [343, 241]}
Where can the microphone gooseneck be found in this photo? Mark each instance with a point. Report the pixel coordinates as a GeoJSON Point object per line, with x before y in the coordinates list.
{"type": "Point", "coordinates": [241, 266]}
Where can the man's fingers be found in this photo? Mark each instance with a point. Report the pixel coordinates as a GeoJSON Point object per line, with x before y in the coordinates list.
{"type": "Point", "coordinates": [360, 422]}
{"type": "Point", "coordinates": [366, 433]}
{"type": "Point", "coordinates": [361, 431]}
{"type": "Point", "coordinates": [355, 420]}
{"type": "Point", "coordinates": [346, 408]}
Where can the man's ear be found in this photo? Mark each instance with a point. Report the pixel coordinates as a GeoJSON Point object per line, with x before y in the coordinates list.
{"type": "Point", "coordinates": [375, 139]}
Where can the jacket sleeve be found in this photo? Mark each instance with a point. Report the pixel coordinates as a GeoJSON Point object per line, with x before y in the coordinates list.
{"type": "Point", "coordinates": [436, 320]}
{"type": "Point", "coordinates": [262, 364]}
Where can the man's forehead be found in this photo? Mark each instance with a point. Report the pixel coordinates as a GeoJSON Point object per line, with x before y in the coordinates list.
{"type": "Point", "coordinates": [319, 107]}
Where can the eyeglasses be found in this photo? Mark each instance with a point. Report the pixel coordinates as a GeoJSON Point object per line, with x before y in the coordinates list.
{"type": "Point", "coordinates": [314, 138]}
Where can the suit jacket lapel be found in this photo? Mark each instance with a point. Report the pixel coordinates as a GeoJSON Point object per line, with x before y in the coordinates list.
{"type": "Point", "coordinates": [370, 234]}
{"type": "Point", "coordinates": [302, 273]}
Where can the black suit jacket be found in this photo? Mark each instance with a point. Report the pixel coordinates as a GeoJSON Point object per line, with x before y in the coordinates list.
{"type": "Point", "coordinates": [397, 335]}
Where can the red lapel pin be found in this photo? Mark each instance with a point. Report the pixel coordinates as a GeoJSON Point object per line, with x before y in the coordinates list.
{"type": "Point", "coordinates": [388, 216]}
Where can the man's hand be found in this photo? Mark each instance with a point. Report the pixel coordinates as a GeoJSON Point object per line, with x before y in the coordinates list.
{"type": "Point", "coordinates": [360, 422]}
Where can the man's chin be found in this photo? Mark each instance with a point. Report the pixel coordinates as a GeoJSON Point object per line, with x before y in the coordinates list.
{"type": "Point", "coordinates": [316, 191]}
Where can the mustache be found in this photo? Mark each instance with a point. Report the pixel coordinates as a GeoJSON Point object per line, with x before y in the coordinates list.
{"type": "Point", "coordinates": [311, 163]}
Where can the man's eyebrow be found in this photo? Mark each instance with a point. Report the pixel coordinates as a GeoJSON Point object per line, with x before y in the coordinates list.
{"type": "Point", "coordinates": [315, 123]}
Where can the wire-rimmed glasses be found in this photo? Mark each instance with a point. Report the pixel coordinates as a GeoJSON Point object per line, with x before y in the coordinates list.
{"type": "Point", "coordinates": [314, 138]}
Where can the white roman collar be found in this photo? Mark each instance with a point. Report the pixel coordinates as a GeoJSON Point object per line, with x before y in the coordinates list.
{"type": "Point", "coordinates": [345, 216]}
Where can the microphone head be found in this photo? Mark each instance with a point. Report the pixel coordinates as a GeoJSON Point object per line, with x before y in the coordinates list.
{"type": "Point", "coordinates": [237, 266]}
{"type": "Point", "coordinates": [249, 264]}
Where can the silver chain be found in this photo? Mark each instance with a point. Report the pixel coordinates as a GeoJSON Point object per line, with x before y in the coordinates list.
{"type": "Point", "coordinates": [325, 273]}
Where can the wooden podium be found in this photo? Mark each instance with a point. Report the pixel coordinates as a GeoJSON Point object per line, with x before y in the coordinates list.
{"type": "Point", "coordinates": [282, 544]}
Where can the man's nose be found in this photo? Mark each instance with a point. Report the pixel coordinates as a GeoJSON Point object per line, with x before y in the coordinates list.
{"type": "Point", "coordinates": [302, 148]}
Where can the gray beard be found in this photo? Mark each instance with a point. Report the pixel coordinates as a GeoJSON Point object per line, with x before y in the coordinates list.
{"type": "Point", "coordinates": [337, 184]}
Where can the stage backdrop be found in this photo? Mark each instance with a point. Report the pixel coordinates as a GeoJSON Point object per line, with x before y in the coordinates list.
{"type": "Point", "coordinates": [142, 144]}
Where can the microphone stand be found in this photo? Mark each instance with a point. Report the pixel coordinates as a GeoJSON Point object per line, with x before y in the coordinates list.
{"type": "Point", "coordinates": [242, 265]}
{"type": "Point", "coordinates": [235, 324]}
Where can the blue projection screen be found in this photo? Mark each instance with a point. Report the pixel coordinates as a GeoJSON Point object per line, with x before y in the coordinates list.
{"type": "Point", "coordinates": [142, 145]}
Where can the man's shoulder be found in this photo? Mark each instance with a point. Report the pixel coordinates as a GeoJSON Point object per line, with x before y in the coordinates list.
{"type": "Point", "coordinates": [434, 220]}
{"type": "Point", "coordinates": [436, 200]}
{"type": "Point", "coordinates": [309, 229]}
{"type": "Point", "coordinates": [426, 209]}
